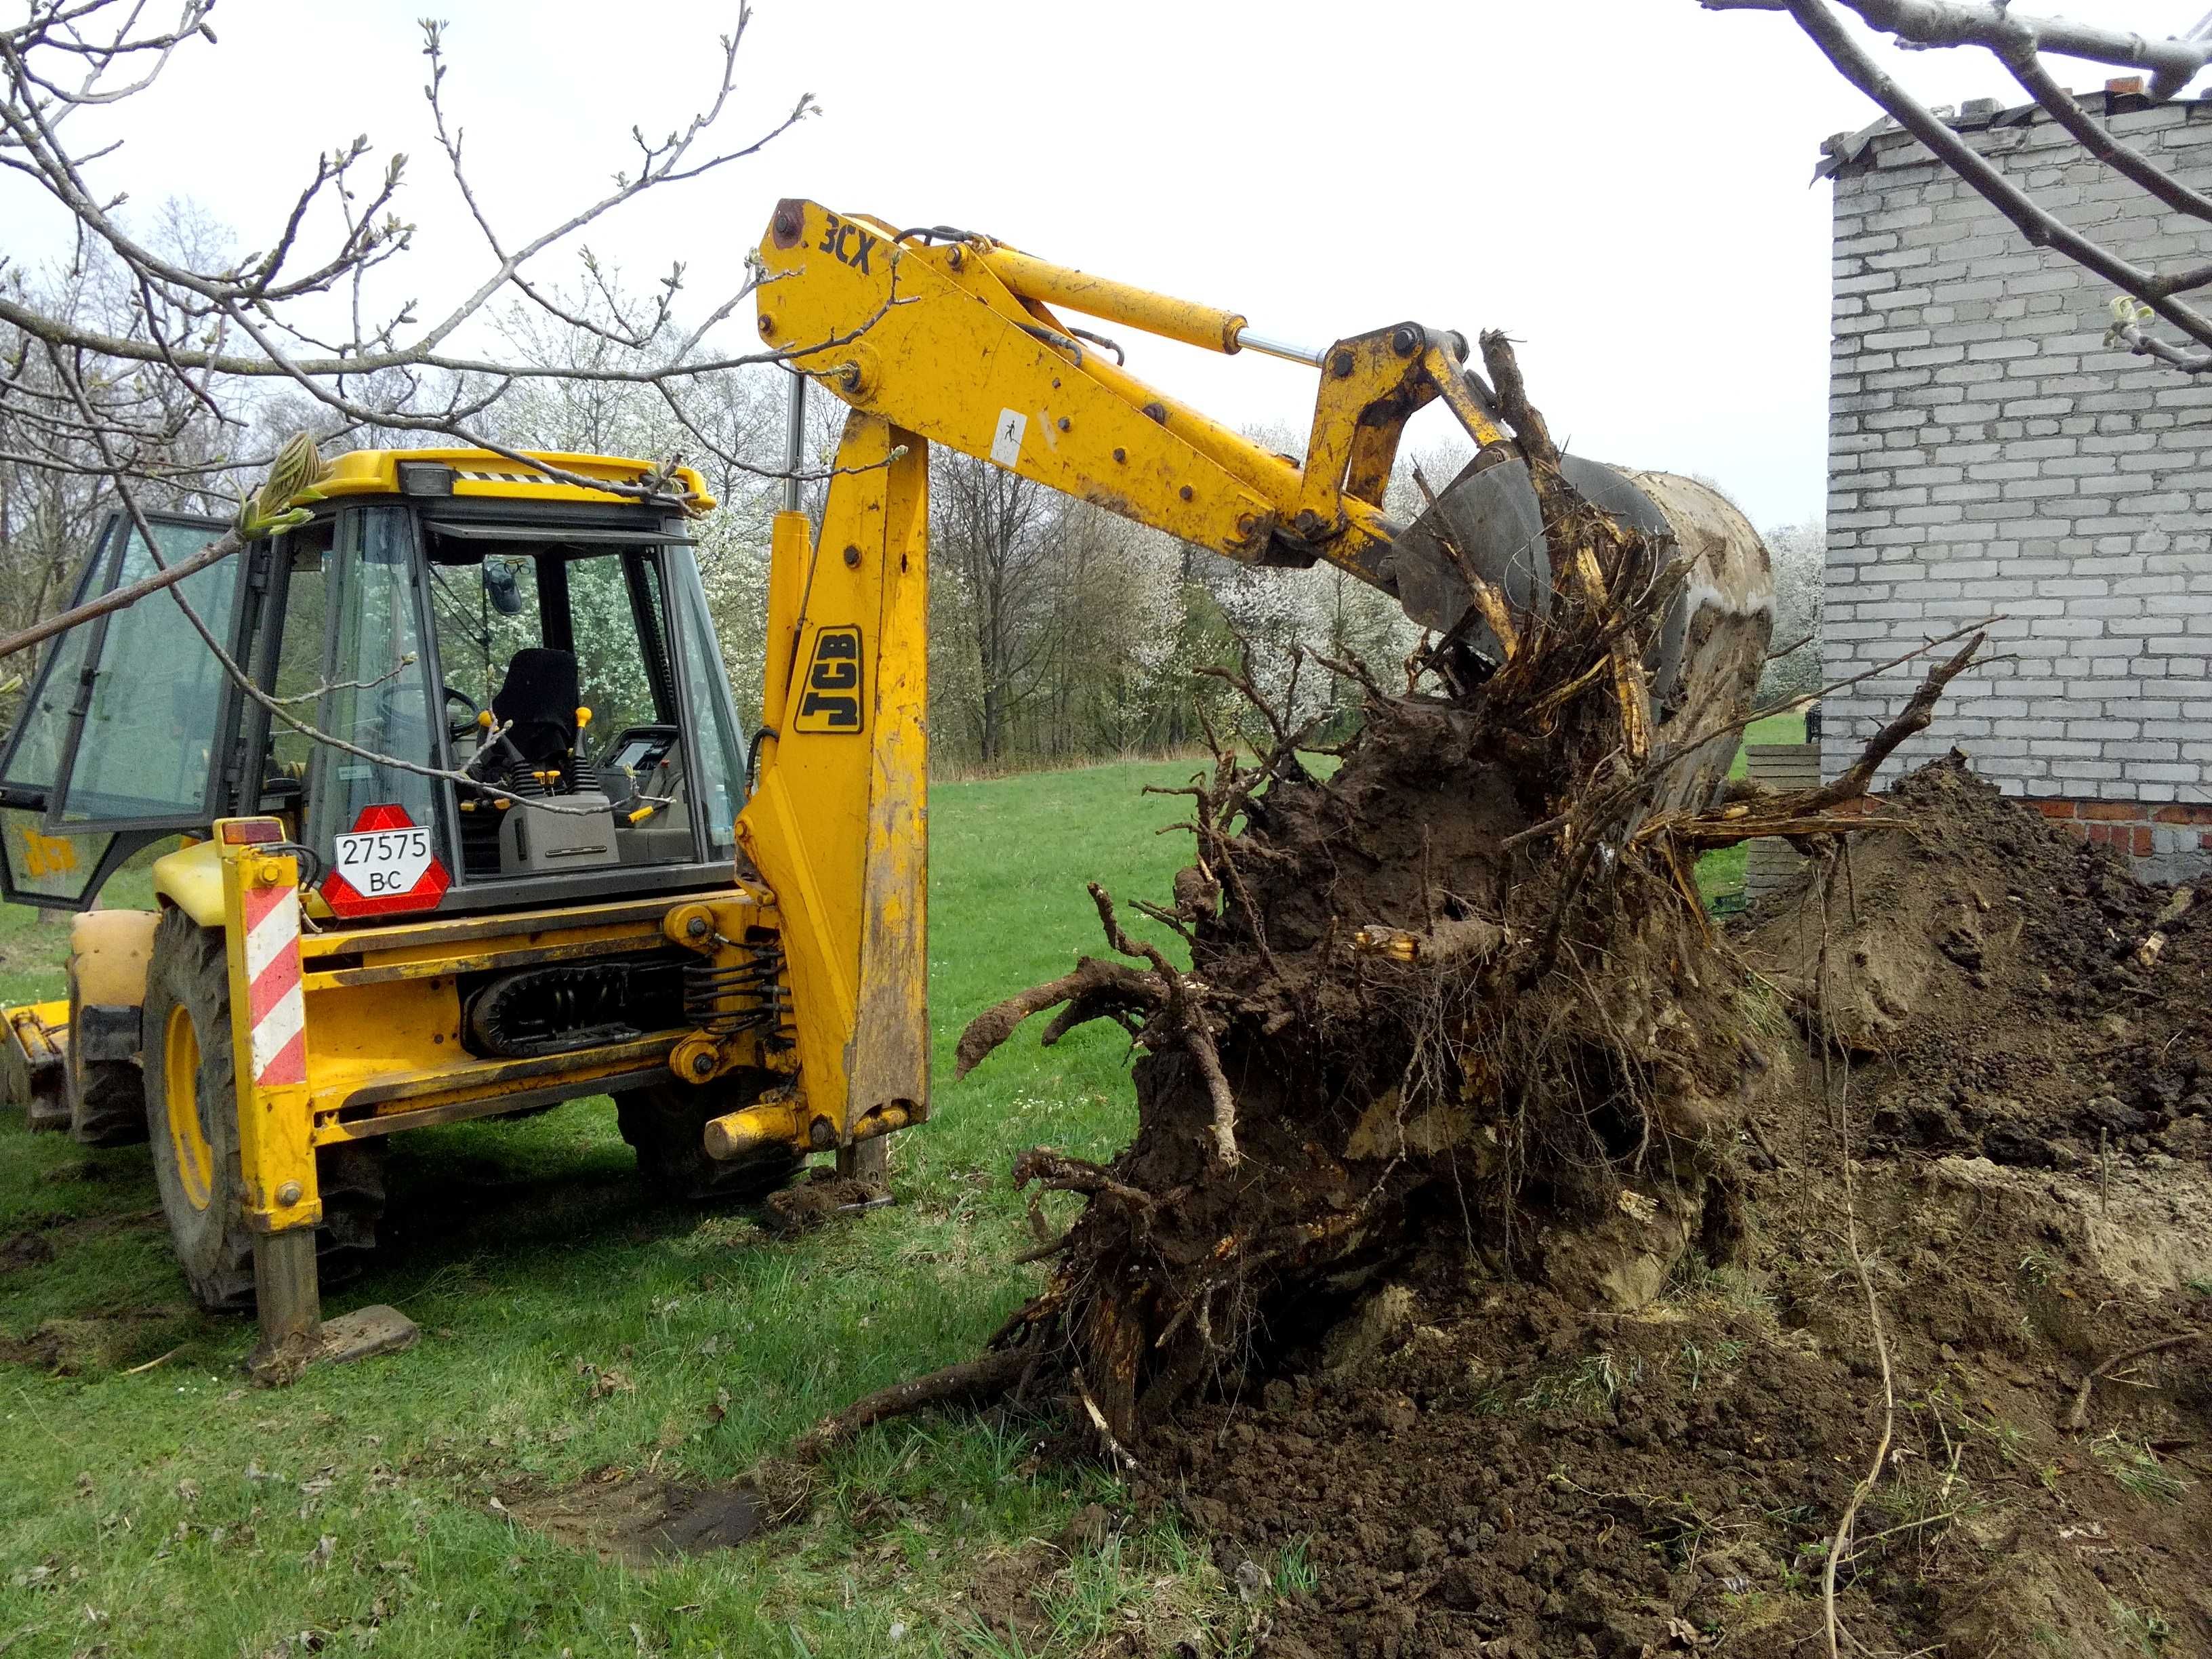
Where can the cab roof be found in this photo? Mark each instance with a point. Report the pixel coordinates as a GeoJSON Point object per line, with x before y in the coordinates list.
{"type": "Point", "coordinates": [479, 473]}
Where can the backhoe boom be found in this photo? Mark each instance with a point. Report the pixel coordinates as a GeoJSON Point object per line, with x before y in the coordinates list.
{"type": "Point", "coordinates": [940, 336]}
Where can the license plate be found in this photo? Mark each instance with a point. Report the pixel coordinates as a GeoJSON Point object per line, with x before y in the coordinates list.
{"type": "Point", "coordinates": [379, 863]}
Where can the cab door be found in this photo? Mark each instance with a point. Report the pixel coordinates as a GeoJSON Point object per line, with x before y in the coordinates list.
{"type": "Point", "coordinates": [124, 733]}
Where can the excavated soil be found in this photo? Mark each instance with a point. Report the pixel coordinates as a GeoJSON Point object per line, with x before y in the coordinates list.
{"type": "Point", "coordinates": [2019, 1053]}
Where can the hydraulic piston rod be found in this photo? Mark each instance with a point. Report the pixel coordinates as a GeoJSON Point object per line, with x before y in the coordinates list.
{"type": "Point", "coordinates": [1111, 301]}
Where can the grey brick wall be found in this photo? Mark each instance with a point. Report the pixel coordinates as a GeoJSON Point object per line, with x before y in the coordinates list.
{"type": "Point", "coordinates": [1988, 453]}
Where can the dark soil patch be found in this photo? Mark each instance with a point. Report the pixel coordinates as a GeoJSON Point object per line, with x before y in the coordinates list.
{"type": "Point", "coordinates": [93, 1346]}
{"type": "Point", "coordinates": [640, 1520]}
{"type": "Point", "coordinates": [25, 1250]}
{"type": "Point", "coordinates": [47, 1235]}
{"type": "Point", "coordinates": [813, 1201]}
{"type": "Point", "coordinates": [107, 1171]}
{"type": "Point", "coordinates": [1002, 1594]}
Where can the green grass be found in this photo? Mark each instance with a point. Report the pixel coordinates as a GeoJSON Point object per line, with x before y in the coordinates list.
{"type": "Point", "coordinates": [177, 1510]}
{"type": "Point", "coordinates": [173, 1509]}
{"type": "Point", "coordinates": [1775, 728]}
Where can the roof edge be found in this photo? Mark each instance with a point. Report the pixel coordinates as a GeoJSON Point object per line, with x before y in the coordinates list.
{"type": "Point", "coordinates": [2124, 96]}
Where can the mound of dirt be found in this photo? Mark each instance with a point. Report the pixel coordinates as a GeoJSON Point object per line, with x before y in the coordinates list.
{"type": "Point", "coordinates": [1995, 982]}
{"type": "Point", "coordinates": [1633, 1362]}
{"type": "Point", "coordinates": [1475, 1463]}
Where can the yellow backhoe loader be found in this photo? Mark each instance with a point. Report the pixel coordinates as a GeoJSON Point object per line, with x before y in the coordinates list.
{"type": "Point", "coordinates": [541, 861]}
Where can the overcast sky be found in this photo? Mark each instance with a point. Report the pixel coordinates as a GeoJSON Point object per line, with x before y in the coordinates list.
{"type": "Point", "coordinates": [1621, 184]}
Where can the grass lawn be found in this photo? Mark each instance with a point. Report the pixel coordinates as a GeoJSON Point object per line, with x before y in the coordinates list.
{"type": "Point", "coordinates": [177, 1511]}
{"type": "Point", "coordinates": [152, 1502]}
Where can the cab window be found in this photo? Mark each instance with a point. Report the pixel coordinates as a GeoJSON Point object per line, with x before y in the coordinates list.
{"type": "Point", "coordinates": [377, 694]}
{"type": "Point", "coordinates": [558, 684]}
{"type": "Point", "coordinates": [147, 750]}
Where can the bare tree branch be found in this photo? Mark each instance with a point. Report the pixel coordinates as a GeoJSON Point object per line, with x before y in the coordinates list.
{"type": "Point", "coordinates": [2018, 40]}
{"type": "Point", "coordinates": [2173, 63]}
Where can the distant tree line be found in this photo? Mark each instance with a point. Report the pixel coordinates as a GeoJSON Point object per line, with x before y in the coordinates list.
{"type": "Point", "coordinates": [1060, 632]}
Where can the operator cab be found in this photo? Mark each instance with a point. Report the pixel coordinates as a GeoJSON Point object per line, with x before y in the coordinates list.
{"type": "Point", "coordinates": [547, 648]}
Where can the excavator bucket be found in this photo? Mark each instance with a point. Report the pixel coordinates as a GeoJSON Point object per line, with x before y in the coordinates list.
{"type": "Point", "coordinates": [1709, 651]}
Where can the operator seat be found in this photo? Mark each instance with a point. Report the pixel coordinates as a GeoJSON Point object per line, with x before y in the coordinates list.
{"type": "Point", "coordinates": [538, 724]}
{"type": "Point", "coordinates": [535, 754]}
{"type": "Point", "coordinates": [537, 702]}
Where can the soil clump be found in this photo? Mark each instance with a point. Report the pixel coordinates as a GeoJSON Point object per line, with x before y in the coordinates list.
{"type": "Point", "coordinates": [807, 1204]}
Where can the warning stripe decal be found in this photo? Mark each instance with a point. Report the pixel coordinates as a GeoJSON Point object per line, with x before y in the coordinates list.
{"type": "Point", "coordinates": [276, 1005]}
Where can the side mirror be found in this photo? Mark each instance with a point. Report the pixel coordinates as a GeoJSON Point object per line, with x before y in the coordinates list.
{"type": "Point", "coordinates": [501, 589]}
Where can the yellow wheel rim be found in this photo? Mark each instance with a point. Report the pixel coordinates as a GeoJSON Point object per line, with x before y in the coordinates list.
{"type": "Point", "coordinates": [181, 1073]}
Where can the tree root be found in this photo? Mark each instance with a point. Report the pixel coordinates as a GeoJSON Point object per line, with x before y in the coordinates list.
{"type": "Point", "coordinates": [1404, 1011]}
{"type": "Point", "coordinates": [2077, 1415]}
{"type": "Point", "coordinates": [974, 1382]}
{"type": "Point", "coordinates": [1096, 990]}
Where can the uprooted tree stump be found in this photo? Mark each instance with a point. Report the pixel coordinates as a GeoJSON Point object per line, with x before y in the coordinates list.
{"type": "Point", "coordinates": [1465, 986]}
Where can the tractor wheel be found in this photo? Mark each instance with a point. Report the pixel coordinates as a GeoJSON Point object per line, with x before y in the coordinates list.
{"type": "Point", "coordinates": [191, 1111]}
{"type": "Point", "coordinates": [666, 1122]}
{"type": "Point", "coordinates": [106, 1098]}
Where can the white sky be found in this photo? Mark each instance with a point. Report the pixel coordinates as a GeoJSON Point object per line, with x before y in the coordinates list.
{"type": "Point", "coordinates": [1621, 184]}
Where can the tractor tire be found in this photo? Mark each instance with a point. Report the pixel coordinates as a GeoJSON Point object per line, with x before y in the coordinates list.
{"type": "Point", "coordinates": [191, 1112]}
{"type": "Point", "coordinates": [106, 1098]}
{"type": "Point", "coordinates": [666, 1124]}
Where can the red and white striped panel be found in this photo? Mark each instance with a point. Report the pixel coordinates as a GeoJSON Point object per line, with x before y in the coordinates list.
{"type": "Point", "coordinates": [277, 1005]}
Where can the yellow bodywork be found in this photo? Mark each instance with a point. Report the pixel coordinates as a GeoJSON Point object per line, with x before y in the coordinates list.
{"type": "Point", "coordinates": [276, 1136]}
{"type": "Point", "coordinates": [479, 473]}
{"type": "Point", "coordinates": [108, 951]}
{"type": "Point", "coordinates": [816, 955]}
{"type": "Point", "coordinates": [837, 821]}
{"type": "Point", "coordinates": [383, 1001]}
{"type": "Point", "coordinates": [956, 343]}
{"type": "Point", "coordinates": [192, 880]}
{"type": "Point", "coordinates": [383, 1015]}
{"type": "Point", "coordinates": [382, 1018]}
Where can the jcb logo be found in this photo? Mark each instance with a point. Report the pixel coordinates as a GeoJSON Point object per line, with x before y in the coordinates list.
{"type": "Point", "coordinates": [830, 699]}
{"type": "Point", "coordinates": [47, 855]}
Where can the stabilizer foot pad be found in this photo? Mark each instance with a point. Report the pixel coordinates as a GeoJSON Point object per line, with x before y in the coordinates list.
{"type": "Point", "coordinates": [364, 1333]}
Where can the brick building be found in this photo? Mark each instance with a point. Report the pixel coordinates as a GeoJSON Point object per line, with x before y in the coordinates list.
{"type": "Point", "coordinates": [1989, 454]}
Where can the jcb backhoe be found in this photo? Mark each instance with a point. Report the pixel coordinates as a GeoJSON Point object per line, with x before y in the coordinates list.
{"type": "Point", "coordinates": [582, 877]}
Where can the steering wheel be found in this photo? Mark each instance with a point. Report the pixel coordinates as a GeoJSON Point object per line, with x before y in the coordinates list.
{"type": "Point", "coordinates": [457, 730]}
